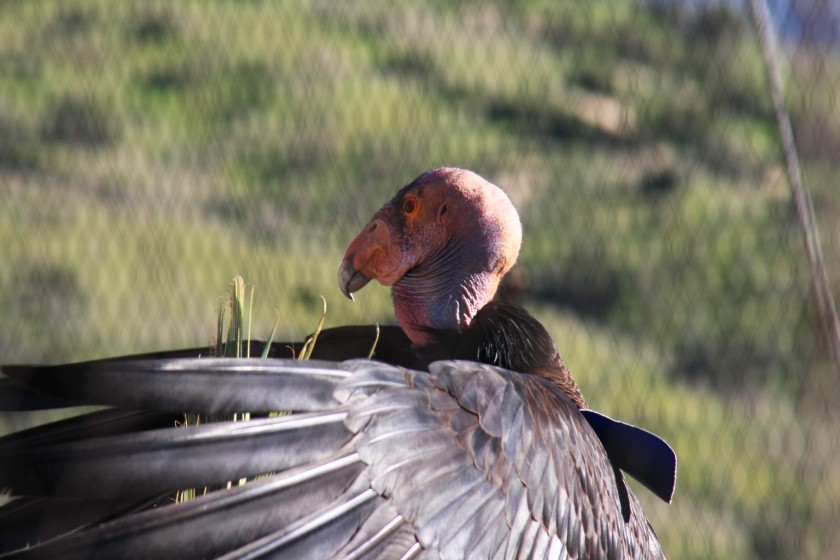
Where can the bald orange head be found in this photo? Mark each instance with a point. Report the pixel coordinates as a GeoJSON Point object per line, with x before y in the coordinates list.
{"type": "Point", "coordinates": [444, 242]}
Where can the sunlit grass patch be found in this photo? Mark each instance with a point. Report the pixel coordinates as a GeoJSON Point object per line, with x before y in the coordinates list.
{"type": "Point", "coordinates": [258, 137]}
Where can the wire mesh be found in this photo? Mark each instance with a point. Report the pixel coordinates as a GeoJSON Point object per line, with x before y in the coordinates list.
{"type": "Point", "coordinates": [151, 151]}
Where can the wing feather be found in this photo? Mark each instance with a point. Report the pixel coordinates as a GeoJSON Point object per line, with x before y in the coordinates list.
{"type": "Point", "coordinates": [209, 385]}
{"type": "Point", "coordinates": [461, 461]}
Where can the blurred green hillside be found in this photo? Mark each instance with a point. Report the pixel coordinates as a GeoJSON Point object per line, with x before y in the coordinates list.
{"type": "Point", "coordinates": [151, 151]}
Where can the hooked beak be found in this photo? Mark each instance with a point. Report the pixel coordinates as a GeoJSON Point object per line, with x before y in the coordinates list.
{"type": "Point", "coordinates": [373, 255]}
{"type": "Point", "coordinates": [358, 267]}
{"type": "Point", "coordinates": [349, 278]}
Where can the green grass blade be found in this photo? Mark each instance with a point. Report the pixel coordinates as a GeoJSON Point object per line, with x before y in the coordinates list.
{"type": "Point", "coordinates": [306, 353]}
{"type": "Point", "coordinates": [375, 342]}
{"type": "Point", "coordinates": [250, 317]}
{"type": "Point", "coordinates": [271, 337]}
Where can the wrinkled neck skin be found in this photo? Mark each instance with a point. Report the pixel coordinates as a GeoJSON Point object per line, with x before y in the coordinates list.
{"type": "Point", "coordinates": [443, 294]}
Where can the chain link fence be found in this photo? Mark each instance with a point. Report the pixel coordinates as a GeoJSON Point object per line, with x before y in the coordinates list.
{"type": "Point", "coordinates": [151, 151]}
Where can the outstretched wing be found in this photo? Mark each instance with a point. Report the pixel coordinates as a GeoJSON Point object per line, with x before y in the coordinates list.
{"type": "Point", "coordinates": [378, 461]}
{"type": "Point", "coordinates": [386, 343]}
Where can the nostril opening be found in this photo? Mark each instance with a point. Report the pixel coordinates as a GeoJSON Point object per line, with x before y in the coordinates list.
{"type": "Point", "coordinates": [372, 227]}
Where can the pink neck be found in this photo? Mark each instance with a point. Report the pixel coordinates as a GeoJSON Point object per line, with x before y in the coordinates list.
{"type": "Point", "coordinates": [424, 300]}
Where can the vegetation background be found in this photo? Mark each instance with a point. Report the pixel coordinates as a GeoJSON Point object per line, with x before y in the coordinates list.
{"type": "Point", "coordinates": [151, 151]}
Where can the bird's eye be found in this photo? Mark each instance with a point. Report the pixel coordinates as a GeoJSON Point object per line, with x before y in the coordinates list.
{"type": "Point", "coordinates": [409, 206]}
